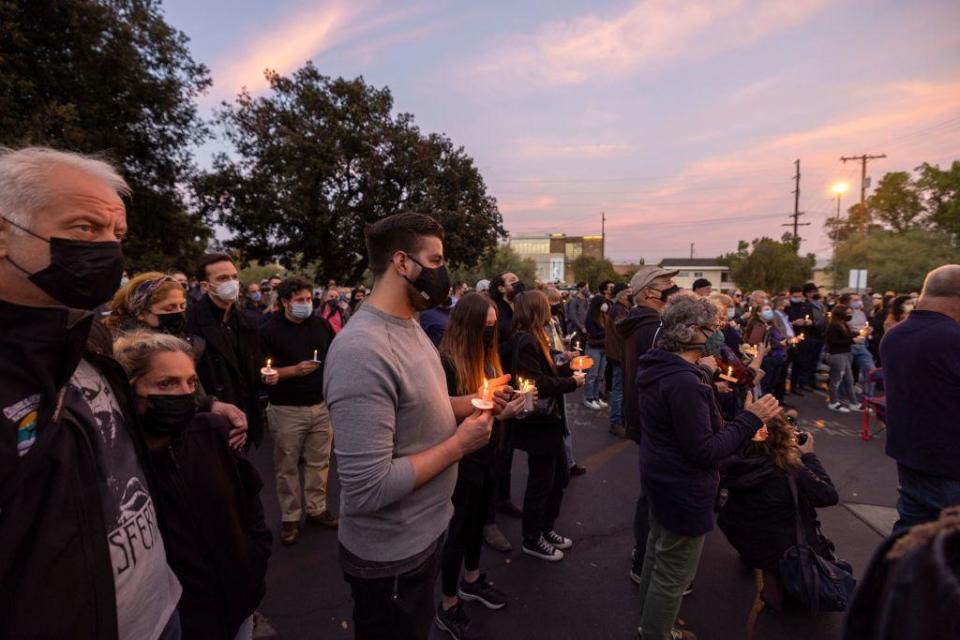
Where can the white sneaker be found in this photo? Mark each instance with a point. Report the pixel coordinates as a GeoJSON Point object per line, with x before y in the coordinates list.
{"type": "Point", "coordinates": [854, 406]}
{"type": "Point", "coordinates": [836, 406]}
{"type": "Point", "coordinates": [592, 404]}
{"type": "Point", "coordinates": [603, 405]}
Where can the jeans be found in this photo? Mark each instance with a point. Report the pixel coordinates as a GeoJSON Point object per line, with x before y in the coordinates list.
{"type": "Point", "coordinates": [923, 496]}
{"type": "Point", "coordinates": [594, 382]}
{"type": "Point", "coordinates": [399, 607]}
{"type": "Point", "coordinates": [547, 478]}
{"type": "Point", "coordinates": [301, 432]}
{"type": "Point", "coordinates": [841, 377]}
{"type": "Point", "coordinates": [616, 395]}
{"type": "Point", "coordinates": [863, 364]}
{"type": "Point", "coordinates": [568, 449]}
{"type": "Point", "coordinates": [669, 567]}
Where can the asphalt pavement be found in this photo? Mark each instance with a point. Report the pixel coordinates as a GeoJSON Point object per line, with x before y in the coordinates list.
{"type": "Point", "coordinates": [589, 594]}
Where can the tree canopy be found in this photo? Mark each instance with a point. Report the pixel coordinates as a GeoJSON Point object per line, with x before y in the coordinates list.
{"type": "Point", "coordinates": [768, 265]}
{"type": "Point", "coordinates": [895, 261]}
{"type": "Point", "coordinates": [503, 259]}
{"type": "Point", "coordinates": [111, 77]}
{"type": "Point", "coordinates": [593, 271]}
{"type": "Point", "coordinates": [316, 159]}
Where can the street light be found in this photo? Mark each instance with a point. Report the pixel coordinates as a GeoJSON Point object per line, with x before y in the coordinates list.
{"type": "Point", "coordinates": [839, 188]}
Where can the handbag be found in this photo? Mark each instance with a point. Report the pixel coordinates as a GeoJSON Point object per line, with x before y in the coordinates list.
{"type": "Point", "coordinates": [817, 583]}
{"type": "Point", "coordinates": [544, 407]}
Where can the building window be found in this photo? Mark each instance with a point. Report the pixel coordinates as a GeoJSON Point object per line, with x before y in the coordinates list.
{"type": "Point", "coordinates": [573, 250]}
{"type": "Point", "coordinates": [684, 274]}
{"type": "Point", "coordinates": [698, 274]}
{"type": "Point", "coordinates": [724, 276]}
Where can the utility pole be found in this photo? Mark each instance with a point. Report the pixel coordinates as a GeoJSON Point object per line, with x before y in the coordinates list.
{"type": "Point", "coordinates": [796, 224]}
{"type": "Point", "coordinates": [603, 234]}
{"type": "Point", "coordinates": [863, 180]}
{"type": "Point", "coordinates": [691, 250]}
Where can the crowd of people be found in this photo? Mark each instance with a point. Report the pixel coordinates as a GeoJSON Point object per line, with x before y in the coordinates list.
{"type": "Point", "coordinates": [129, 402]}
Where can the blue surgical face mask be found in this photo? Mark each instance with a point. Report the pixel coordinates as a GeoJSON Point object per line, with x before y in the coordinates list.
{"type": "Point", "coordinates": [301, 310]}
{"type": "Point", "coordinates": [795, 299]}
{"type": "Point", "coordinates": [856, 304]}
{"type": "Point", "coordinates": [767, 314]}
{"type": "Point", "coordinates": [255, 296]}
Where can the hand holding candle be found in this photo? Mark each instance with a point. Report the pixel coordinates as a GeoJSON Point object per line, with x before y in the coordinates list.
{"type": "Point", "coordinates": [728, 376]}
{"type": "Point", "coordinates": [269, 374]}
{"type": "Point", "coordinates": [484, 399]}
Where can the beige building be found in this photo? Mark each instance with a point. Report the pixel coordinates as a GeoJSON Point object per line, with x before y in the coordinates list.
{"type": "Point", "coordinates": [691, 269]}
{"type": "Point", "coordinates": [554, 253]}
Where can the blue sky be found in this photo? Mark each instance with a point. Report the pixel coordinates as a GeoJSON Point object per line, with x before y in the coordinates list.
{"type": "Point", "coordinates": [680, 119]}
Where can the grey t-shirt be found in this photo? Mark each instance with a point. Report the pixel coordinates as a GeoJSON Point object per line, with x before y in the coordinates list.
{"type": "Point", "coordinates": [387, 395]}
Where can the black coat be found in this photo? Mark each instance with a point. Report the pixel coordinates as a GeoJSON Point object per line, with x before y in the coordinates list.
{"type": "Point", "coordinates": [56, 574]}
{"type": "Point", "coordinates": [216, 539]}
{"type": "Point", "coordinates": [232, 375]}
{"type": "Point", "coordinates": [758, 517]}
{"type": "Point", "coordinates": [637, 331]}
{"type": "Point", "coordinates": [537, 434]}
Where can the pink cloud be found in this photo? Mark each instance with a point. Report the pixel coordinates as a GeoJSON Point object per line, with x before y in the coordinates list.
{"type": "Point", "coordinates": [643, 36]}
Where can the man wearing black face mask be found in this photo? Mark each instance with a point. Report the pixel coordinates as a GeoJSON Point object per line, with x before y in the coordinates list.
{"type": "Point", "coordinates": [398, 441]}
{"type": "Point", "coordinates": [503, 289]}
{"type": "Point", "coordinates": [72, 472]}
{"type": "Point", "coordinates": [652, 286]}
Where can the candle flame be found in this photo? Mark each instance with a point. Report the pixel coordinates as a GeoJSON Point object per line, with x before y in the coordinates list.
{"type": "Point", "coordinates": [730, 370]}
{"type": "Point", "coordinates": [268, 363]}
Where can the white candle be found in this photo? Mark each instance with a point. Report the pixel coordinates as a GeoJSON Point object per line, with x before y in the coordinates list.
{"type": "Point", "coordinates": [528, 395]}
{"type": "Point", "coordinates": [315, 354]}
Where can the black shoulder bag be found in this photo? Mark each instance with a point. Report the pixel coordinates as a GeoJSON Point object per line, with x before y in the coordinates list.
{"type": "Point", "coordinates": [544, 407]}
{"type": "Point", "coordinates": [817, 583]}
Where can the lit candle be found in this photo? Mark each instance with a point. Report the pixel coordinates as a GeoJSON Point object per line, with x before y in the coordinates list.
{"type": "Point", "coordinates": [267, 370]}
{"type": "Point", "coordinates": [527, 389]}
{"type": "Point", "coordinates": [484, 399]}
{"type": "Point", "coordinates": [315, 354]}
{"type": "Point", "coordinates": [576, 346]}
{"type": "Point", "coordinates": [487, 391]}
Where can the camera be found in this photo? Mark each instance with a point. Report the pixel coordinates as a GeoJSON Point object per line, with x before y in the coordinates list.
{"type": "Point", "coordinates": [802, 436]}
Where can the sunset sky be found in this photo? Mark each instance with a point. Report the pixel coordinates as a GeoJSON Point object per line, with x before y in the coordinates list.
{"type": "Point", "coordinates": [680, 119]}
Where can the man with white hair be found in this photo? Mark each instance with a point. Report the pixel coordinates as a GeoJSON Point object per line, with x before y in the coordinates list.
{"type": "Point", "coordinates": [81, 555]}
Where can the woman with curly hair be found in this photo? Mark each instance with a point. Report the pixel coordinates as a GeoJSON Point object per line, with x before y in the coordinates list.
{"type": "Point", "coordinates": [151, 301]}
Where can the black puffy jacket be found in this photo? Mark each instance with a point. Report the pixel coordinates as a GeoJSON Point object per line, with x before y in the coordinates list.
{"type": "Point", "coordinates": [758, 517]}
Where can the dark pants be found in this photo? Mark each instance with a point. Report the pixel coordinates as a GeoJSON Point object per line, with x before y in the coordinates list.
{"type": "Point", "coordinates": [502, 472]}
{"type": "Point", "coordinates": [805, 367]}
{"type": "Point", "coordinates": [397, 607]}
{"type": "Point", "coordinates": [923, 496]}
{"type": "Point", "coordinates": [547, 478]}
{"type": "Point", "coordinates": [773, 371]}
{"type": "Point", "coordinates": [465, 535]}
{"type": "Point", "coordinates": [641, 524]}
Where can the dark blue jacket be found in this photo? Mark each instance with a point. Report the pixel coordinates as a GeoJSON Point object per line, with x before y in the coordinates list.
{"type": "Point", "coordinates": [921, 376]}
{"type": "Point", "coordinates": [684, 440]}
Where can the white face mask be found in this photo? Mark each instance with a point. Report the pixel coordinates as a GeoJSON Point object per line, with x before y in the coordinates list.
{"type": "Point", "coordinates": [227, 291]}
{"type": "Point", "coordinates": [604, 307]}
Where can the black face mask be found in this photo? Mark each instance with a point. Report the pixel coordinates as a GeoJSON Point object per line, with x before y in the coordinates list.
{"type": "Point", "coordinates": [172, 323]}
{"type": "Point", "coordinates": [666, 293]}
{"type": "Point", "coordinates": [333, 304]}
{"type": "Point", "coordinates": [556, 309]}
{"type": "Point", "coordinates": [169, 415]}
{"type": "Point", "coordinates": [433, 284]}
{"type": "Point", "coordinates": [488, 335]}
{"type": "Point", "coordinates": [81, 274]}
{"type": "Point", "coordinates": [517, 288]}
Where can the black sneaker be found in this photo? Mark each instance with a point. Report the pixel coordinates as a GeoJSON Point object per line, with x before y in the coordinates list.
{"type": "Point", "coordinates": [558, 540]}
{"type": "Point", "coordinates": [483, 592]}
{"type": "Point", "coordinates": [539, 548]}
{"type": "Point", "coordinates": [455, 622]}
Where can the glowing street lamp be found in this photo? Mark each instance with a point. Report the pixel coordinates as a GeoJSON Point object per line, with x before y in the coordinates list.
{"type": "Point", "coordinates": [839, 188]}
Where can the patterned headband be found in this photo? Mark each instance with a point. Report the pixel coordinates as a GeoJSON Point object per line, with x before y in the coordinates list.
{"type": "Point", "coordinates": [144, 291]}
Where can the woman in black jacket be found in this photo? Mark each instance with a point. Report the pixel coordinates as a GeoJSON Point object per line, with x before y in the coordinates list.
{"type": "Point", "coordinates": [838, 339]}
{"type": "Point", "coordinates": [469, 355]}
{"type": "Point", "coordinates": [207, 494]}
{"type": "Point", "coordinates": [527, 355]}
{"type": "Point", "coordinates": [596, 349]}
{"type": "Point", "coordinates": [758, 517]}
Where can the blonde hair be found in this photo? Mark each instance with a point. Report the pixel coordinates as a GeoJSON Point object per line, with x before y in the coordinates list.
{"type": "Point", "coordinates": [122, 307]}
{"type": "Point", "coordinates": [25, 179]}
{"type": "Point", "coordinates": [135, 350]}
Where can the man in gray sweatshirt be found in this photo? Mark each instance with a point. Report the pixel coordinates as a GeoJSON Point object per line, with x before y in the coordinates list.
{"type": "Point", "coordinates": [397, 439]}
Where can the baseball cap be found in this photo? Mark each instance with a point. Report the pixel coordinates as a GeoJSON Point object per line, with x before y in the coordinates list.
{"type": "Point", "coordinates": [701, 282]}
{"type": "Point", "coordinates": [647, 274]}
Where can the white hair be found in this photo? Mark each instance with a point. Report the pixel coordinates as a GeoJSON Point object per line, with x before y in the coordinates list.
{"type": "Point", "coordinates": [25, 175]}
